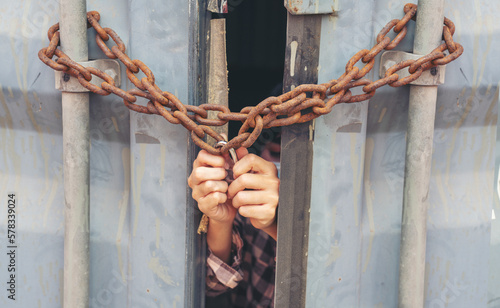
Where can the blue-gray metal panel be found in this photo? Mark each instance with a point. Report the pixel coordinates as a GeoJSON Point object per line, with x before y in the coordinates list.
{"type": "Point", "coordinates": [358, 180]}
{"type": "Point", "coordinates": [300, 7]}
{"type": "Point", "coordinates": [160, 38]}
{"type": "Point", "coordinates": [30, 157]}
{"type": "Point", "coordinates": [31, 147]}
{"type": "Point", "coordinates": [336, 204]}
{"type": "Point", "coordinates": [31, 165]}
{"type": "Point", "coordinates": [494, 280]}
{"type": "Point", "coordinates": [109, 177]}
{"type": "Point", "coordinates": [137, 185]}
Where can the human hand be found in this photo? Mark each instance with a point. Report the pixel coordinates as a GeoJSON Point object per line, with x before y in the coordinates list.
{"type": "Point", "coordinates": [207, 181]}
{"type": "Point", "coordinates": [255, 190]}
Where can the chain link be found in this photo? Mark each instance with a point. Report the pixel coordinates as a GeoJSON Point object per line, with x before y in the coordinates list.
{"type": "Point", "coordinates": [304, 103]}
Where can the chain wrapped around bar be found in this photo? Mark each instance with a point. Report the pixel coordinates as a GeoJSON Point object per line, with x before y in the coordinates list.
{"type": "Point", "coordinates": [304, 103]}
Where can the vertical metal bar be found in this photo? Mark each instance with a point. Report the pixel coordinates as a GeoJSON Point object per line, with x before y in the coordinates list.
{"type": "Point", "coordinates": [217, 94]}
{"type": "Point", "coordinates": [194, 288]}
{"type": "Point", "coordinates": [421, 116]}
{"type": "Point", "coordinates": [217, 84]}
{"type": "Point", "coordinates": [217, 74]}
{"type": "Point", "coordinates": [301, 66]}
{"type": "Point", "coordinates": [75, 113]}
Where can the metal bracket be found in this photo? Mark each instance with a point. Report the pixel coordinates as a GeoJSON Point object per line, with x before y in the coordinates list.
{"type": "Point", "coordinates": [301, 7]}
{"type": "Point", "coordinates": [432, 77]}
{"type": "Point", "coordinates": [66, 83]}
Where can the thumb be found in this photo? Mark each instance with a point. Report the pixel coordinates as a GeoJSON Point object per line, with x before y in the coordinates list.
{"type": "Point", "coordinates": [241, 152]}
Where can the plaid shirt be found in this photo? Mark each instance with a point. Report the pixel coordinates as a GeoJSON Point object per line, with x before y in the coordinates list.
{"type": "Point", "coordinates": [250, 279]}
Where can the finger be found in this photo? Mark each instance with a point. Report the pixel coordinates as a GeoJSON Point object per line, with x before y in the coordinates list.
{"type": "Point", "coordinates": [205, 159]}
{"type": "Point", "coordinates": [258, 212]}
{"type": "Point", "coordinates": [202, 174]}
{"type": "Point", "coordinates": [252, 162]}
{"type": "Point", "coordinates": [208, 187]}
{"type": "Point", "coordinates": [253, 181]}
{"type": "Point", "coordinates": [250, 197]}
{"type": "Point", "coordinates": [210, 202]}
{"type": "Point", "coordinates": [241, 152]}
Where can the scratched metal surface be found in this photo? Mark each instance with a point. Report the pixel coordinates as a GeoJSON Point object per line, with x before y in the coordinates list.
{"type": "Point", "coordinates": [494, 280]}
{"type": "Point", "coordinates": [137, 195]}
{"type": "Point", "coordinates": [311, 6]}
{"type": "Point", "coordinates": [158, 164]}
{"type": "Point", "coordinates": [138, 163]}
{"type": "Point", "coordinates": [30, 156]}
{"type": "Point", "coordinates": [359, 166]}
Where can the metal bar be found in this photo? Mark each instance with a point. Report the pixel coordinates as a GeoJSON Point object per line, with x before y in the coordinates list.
{"type": "Point", "coordinates": [218, 94]}
{"type": "Point", "coordinates": [421, 116]}
{"type": "Point", "coordinates": [194, 285]}
{"type": "Point", "coordinates": [217, 85]}
{"type": "Point", "coordinates": [301, 66]}
{"type": "Point", "coordinates": [75, 114]}
{"type": "Point", "coordinates": [217, 75]}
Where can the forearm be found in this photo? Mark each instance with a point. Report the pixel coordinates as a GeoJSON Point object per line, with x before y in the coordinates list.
{"type": "Point", "coordinates": [219, 239]}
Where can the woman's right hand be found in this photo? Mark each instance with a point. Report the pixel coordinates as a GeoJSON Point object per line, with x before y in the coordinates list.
{"type": "Point", "coordinates": [207, 181]}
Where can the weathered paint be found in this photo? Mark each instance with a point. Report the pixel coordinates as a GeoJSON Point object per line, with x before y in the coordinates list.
{"type": "Point", "coordinates": [349, 264]}
{"type": "Point", "coordinates": [123, 266]}
{"type": "Point", "coordinates": [367, 227]}
{"type": "Point", "coordinates": [302, 7]}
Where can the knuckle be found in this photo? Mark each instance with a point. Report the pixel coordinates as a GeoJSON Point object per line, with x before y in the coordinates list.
{"type": "Point", "coordinates": [275, 182]}
{"type": "Point", "coordinates": [267, 213]}
{"type": "Point", "coordinates": [198, 173]}
{"type": "Point", "coordinates": [272, 212]}
{"type": "Point", "coordinates": [210, 201]}
{"type": "Point", "coordinates": [243, 211]}
{"type": "Point", "coordinates": [195, 195]}
{"type": "Point", "coordinates": [204, 205]}
{"type": "Point", "coordinates": [274, 200]}
{"type": "Point", "coordinates": [214, 199]}
{"type": "Point", "coordinates": [252, 158]}
{"type": "Point", "coordinates": [210, 186]}
{"type": "Point", "coordinates": [238, 200]}
{"type": "Point", "coordinates": [272, 167]}
{"type": "Point", "coordinates": [223, 173]}
{"type": "Point", "coordinates": [220, 197]}
{"type": "Point", "coordinates": [244, 179]}
{"type": "Point", "coordinates": [202, 155]}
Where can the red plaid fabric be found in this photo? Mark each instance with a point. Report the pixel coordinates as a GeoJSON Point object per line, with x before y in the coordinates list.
{"type": "Point", "coordinates": [250, 277]}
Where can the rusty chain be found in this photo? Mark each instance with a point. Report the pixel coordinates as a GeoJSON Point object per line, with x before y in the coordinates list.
{"type": "Point", "coordinates": [304, 103]}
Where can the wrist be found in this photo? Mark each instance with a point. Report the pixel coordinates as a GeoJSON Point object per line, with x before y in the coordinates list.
{"type": "Point", "coordinates": [219, 239]}
{"type": "Point", "coordinates": [221, 223]}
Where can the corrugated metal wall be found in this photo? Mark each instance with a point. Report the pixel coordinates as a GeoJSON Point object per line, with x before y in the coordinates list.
{"type": "Point", "coordinates": [359, 157]}
{"type": "Point", "coordinates": [138, 166]}
{"type": "Point", "coordinates": [138, 162]}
